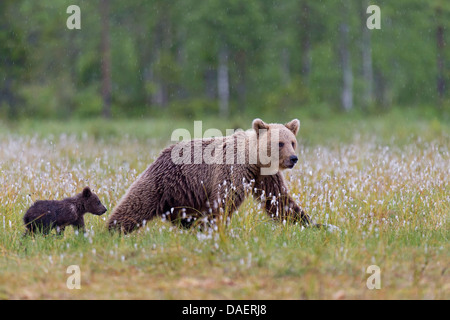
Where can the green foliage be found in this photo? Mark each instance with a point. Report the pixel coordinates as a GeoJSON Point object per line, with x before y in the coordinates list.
{"type": "Point", "coordinates": [282, 56]}
{"type": "Point", "coordinates": [292, 94]}
{"type": "Point", "coordinates": [89, 103]}
{"type": "Point", "coordinates": [193, 109]}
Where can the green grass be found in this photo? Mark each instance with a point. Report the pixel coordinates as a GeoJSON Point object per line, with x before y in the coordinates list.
{"type": "Point", "coordinates": [397, 127]}
{"type": "Point", "coordinates": [383, 180]}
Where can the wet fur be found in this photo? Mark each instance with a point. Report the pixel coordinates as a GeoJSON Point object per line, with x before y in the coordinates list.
{"type": "Point", "coordinates": [45, 215]}
{"type": "Point", "coordinates": [187, 193]}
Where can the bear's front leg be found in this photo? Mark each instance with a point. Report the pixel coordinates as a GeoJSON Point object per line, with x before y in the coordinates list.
{"type": "Point", "coordinates": [79, 225]}
{"type": "Point", "coordinates": [271, 191]}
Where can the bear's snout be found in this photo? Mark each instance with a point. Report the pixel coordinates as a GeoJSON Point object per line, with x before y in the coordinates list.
{"type": "Point", "coordinates": [290, 162]}
{"type": "Point", "coordinates": [293, 159]}
{"type": "Point", "coordinates": [101, 211]}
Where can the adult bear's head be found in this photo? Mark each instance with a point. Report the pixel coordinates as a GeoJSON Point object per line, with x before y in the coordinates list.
{"type": "Point", "coordinates": [276, 145]}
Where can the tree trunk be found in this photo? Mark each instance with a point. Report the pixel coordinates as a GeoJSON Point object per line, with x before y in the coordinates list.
{"type": "Point", "coordinates": [241, 89]}
{"type": "Point", "coordinates": [347, 74]}
{"type": "Point", "coordinates": [285, 67]}
{"type": "Point", "coordinates": [210, 79]}
{"type": "Point", "coordinates": [162, 45]}
{"type": "Point", "coordinates": [223, 87]}
{"type": "Point", "coordinates": [380, 89]}
{"type": "Point", "coordinates": [7, 95]}
{"type": "Point", "coordinates": [159, 93]}
{"type": "Point", "coordinates": [366, 51]}
{"type": "Point", "coordinates": [305, 40]}
{"type": "Point", "coordinates": [440, 57]}
{"type": "Point", "coordinates": [105, 58]}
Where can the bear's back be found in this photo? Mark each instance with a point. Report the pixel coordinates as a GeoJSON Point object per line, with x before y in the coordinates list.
{"type": "Point", "coordinates": [50, 211]}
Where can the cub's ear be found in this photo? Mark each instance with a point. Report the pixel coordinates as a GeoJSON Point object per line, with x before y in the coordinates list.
{"type": "Point", "coordinates": [258, 124]}
{"type": "Point", "coordinates": [293, 125]}
{"type": "Point", "coordinates": [87, 192]}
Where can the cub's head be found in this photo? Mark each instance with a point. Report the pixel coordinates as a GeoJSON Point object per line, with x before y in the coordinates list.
{"type": "Point", "coordinates": [92, 203]}
{"type": "Point", "coordinates": [276, 145]}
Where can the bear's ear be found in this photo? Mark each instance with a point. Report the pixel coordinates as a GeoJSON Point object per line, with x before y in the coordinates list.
{"type": "Point", "coordinates": [293, 125]}
{"type": "Point", "coordinates": [87, 192]}
{"type": "Point", "coordinates": [258, 124]}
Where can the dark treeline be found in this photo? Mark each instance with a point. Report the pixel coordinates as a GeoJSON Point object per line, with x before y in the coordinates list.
{"type": "Point", "coordinates": [221, 57]}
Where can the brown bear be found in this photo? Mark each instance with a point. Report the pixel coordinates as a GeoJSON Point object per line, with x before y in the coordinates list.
{"type": "Point", "coordinates": [45, 215]}
{"type": "Point", "coordinates": [208, 179]}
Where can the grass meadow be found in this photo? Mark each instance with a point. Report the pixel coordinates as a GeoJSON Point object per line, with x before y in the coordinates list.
{"type": "Point", "coordinates": [383, 180]}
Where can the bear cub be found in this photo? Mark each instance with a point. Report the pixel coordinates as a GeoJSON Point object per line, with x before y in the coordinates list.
{"type": "Point", "coordinates": [45, 215]}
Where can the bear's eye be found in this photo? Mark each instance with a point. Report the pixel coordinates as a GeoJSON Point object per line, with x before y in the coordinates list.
{"type": "Point", "coordinates": [293, 145]}
{"type": "Point", "coordinates": [281, 144]}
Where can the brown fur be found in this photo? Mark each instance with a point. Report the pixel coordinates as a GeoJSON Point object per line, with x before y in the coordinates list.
{"type": "Point", "coordinates": [45, 215]}
{"type": "Point", "coordinates": [184, 193]}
